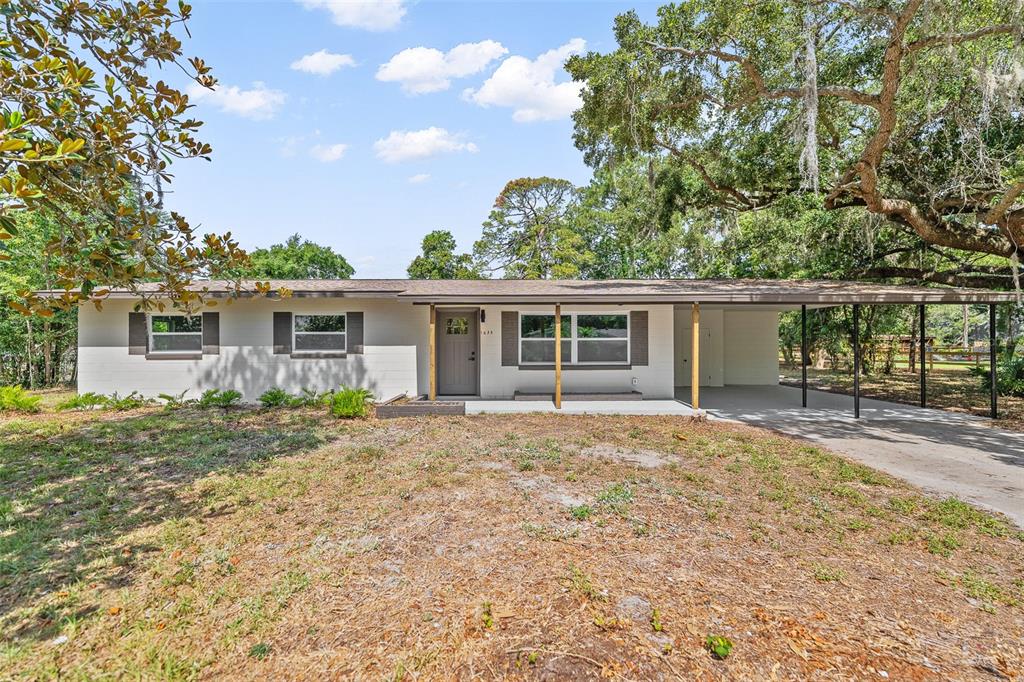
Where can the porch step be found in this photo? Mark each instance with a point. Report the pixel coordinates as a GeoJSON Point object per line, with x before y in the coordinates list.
{"type": "Point", "coordinates": [631, 395]}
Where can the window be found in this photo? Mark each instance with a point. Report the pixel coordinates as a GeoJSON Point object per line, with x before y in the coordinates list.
{"type": "Point", "coordinates": [537, 339]}
{"type": "Point", "coordinates": [587, 338]}
{"type": "Point", "coordinates": [457, 326]}
{"type": "Point", "coordinates": [602, 338]}
{"type": "Point", "coordinates": [175, 334]}
{"type": "Point", "coordinates": [319, 333]}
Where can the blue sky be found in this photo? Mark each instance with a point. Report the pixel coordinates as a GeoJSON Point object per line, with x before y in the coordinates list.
{"type": "Point", "coordinates": [383, 132]}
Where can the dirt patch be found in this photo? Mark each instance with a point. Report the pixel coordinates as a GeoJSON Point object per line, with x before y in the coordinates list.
{"type": "Point", "coordinates": [647, 459]}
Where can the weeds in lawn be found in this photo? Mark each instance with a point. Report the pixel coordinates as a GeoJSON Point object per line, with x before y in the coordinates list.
{"type": "Point", "coordinates": [656, 623]}
{"type": "Point", "coordinates": [259, 651]}
{"type": "Point", "coordinates": [616, 497]}
{"type": "Point", "coordinates": [578, 581]}
{"type": "Point", "coordinates": [828, 574]}
{"type": "Point", "coordinates": [719, 646]}
{"type": "Point", "coordinates": [943, 545]}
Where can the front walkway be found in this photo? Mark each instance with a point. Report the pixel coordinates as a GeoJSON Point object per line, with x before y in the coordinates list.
{"type": "Point", "coordinates": [946, 452]}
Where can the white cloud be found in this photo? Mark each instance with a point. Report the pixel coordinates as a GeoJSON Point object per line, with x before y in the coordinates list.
{"type": "Point", "coordinates": [406, 145]}
{"type": "Point", "coordinates": [259, 103]}
{"type": "Point", "coordinates": [529, 87]}
{"type": "Point", "coordinates": [372, 15]}
{"type": "Point", "coordinates": [424, 69]}
{"type": "Point", "coordinates": [322, 63]}
{"type": "Point", "coordinates": [328, 152]}
{"type": "Point", "coordinates": [419, 178]}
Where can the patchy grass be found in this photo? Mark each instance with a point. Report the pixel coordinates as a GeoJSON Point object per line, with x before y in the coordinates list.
{"type": "Point", "coordinates": [175, 544]}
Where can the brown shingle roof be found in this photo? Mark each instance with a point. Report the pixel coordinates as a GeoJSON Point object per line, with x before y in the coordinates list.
{"type": "Point", "coordinates": [613, 291]}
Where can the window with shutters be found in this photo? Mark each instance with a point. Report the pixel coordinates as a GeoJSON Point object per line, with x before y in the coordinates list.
{"type": "Point", "coordinates": [319, 333]}
{"type": "Point", "coordinates": [175, 334]}
{"type": "Point", "coordinates": [587, 339]}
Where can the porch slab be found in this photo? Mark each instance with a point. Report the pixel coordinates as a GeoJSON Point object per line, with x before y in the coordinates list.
{"type": "Point", "coordinates": [622, 407]}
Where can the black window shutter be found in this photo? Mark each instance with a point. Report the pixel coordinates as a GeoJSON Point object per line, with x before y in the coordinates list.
{"type": "Point", "coordinates": [282, 333]}
{"type": "Point", "coordinates": [354, 331]}
{"type": "Point", "coordinates": [509, 338]}
{"type": "Point", "coordinates": [211, 333]}
{"type": "Point", "coordinates": [138, 338]}
{"type": "Point", "coordinates": [638, 337]}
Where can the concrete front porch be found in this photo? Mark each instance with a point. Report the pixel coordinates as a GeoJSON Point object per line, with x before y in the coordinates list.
{"type": "Point", "coordinates": [638, 407]}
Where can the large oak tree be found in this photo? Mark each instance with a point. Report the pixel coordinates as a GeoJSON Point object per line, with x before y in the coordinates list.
{"type": "Point", "coordinates": [910, 111]}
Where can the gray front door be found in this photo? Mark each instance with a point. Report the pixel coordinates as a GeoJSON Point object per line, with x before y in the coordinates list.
{"type": "Point", "coordinates": [457, 340]}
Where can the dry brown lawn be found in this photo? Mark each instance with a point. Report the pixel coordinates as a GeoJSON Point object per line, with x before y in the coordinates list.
{"type": "Point", "coordinates": [285, 545]}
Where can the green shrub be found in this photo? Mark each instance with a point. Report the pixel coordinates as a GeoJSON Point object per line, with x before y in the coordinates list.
{"type": "Point", "coordinates": [175, 401]}
{"type": "Point", "coordinates": [310, 398]}
{"type": "Point", "coordinates": [132, 401]}
{"type": "Point", "coordinates": [278, 397]}
{"type": "Point", "coordinates": [85, 401]}
{"type": "Point", "coordinates": [17, 399]}
{"type": "Point", "coordinates": [350, 402]}
{"type": "Point", "coordinates": [217, 398]}
{"type": "Point", "coordinates": [275, 397]}
{"type": "Point", "coordinates": [1009, 376]}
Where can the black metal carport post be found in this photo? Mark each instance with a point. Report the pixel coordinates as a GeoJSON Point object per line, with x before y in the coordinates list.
{"type": "Point", "coordinates": [992, 356]}
{"type": "Point", "coordinates": [856, 361]}
{"type": "Point", "coordinates": [922, 344]}
{"type": "Point", "coordinates": [803, 353]}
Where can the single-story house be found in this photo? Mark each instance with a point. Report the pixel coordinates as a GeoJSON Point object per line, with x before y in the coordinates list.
{"type": "Point", "coordinates": [453, 338]}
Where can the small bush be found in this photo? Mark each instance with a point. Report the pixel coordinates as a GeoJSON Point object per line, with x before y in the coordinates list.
{"type": "Point", "coordinates": [278, 397]}
{"type": "Point", "coordinates": [17, 399]}
{"type": "Point", "coordinates": [310, 398]}
{"type": "Point", "coordinates": [350, 402]}
{"type": "Point", "coordinates": [1009, 376]}
{"type": "Point", "coordinates": [175, 401]}
{"type": "Point", "coordinates": [132, 401]}
{"type": "Point", "coordinates": [85, 401]}
{"type": "Point", "coordinates": [217, 398]}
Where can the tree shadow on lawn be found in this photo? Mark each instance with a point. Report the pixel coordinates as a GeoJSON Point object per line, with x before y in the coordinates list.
{"type": "Point", "coordinates": [71, 488]}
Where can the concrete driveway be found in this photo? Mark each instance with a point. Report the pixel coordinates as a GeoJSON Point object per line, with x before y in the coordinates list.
{"type": "Point", "coordinates": [945, 452]}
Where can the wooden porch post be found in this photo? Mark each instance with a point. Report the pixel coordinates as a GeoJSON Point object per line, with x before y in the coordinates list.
{"type": "Point", "coordinates": [433, 352]}
{"type": "Point", "coordinates": [558, 356]}
{"type": "Point", "coordinates": [695, 357]}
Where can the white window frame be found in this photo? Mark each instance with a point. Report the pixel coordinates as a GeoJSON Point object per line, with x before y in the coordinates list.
{"type": "Point", "coordinates": [295, 348]}
{"type": "Point", "coordinates": [150, 334]}
{"type": "Point", "coordinates": [574, 338]}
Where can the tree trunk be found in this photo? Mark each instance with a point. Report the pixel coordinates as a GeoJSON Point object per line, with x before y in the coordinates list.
{"type": "Point", "coordinates": [966, 341]}
{"type": "Point", "coordinates": [29, 354]}
{"type": "Point", "coordinates": [47, 354]}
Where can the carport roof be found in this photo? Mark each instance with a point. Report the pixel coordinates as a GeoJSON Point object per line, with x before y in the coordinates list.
{"type": "Point", "coordinates": [756, 291]}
